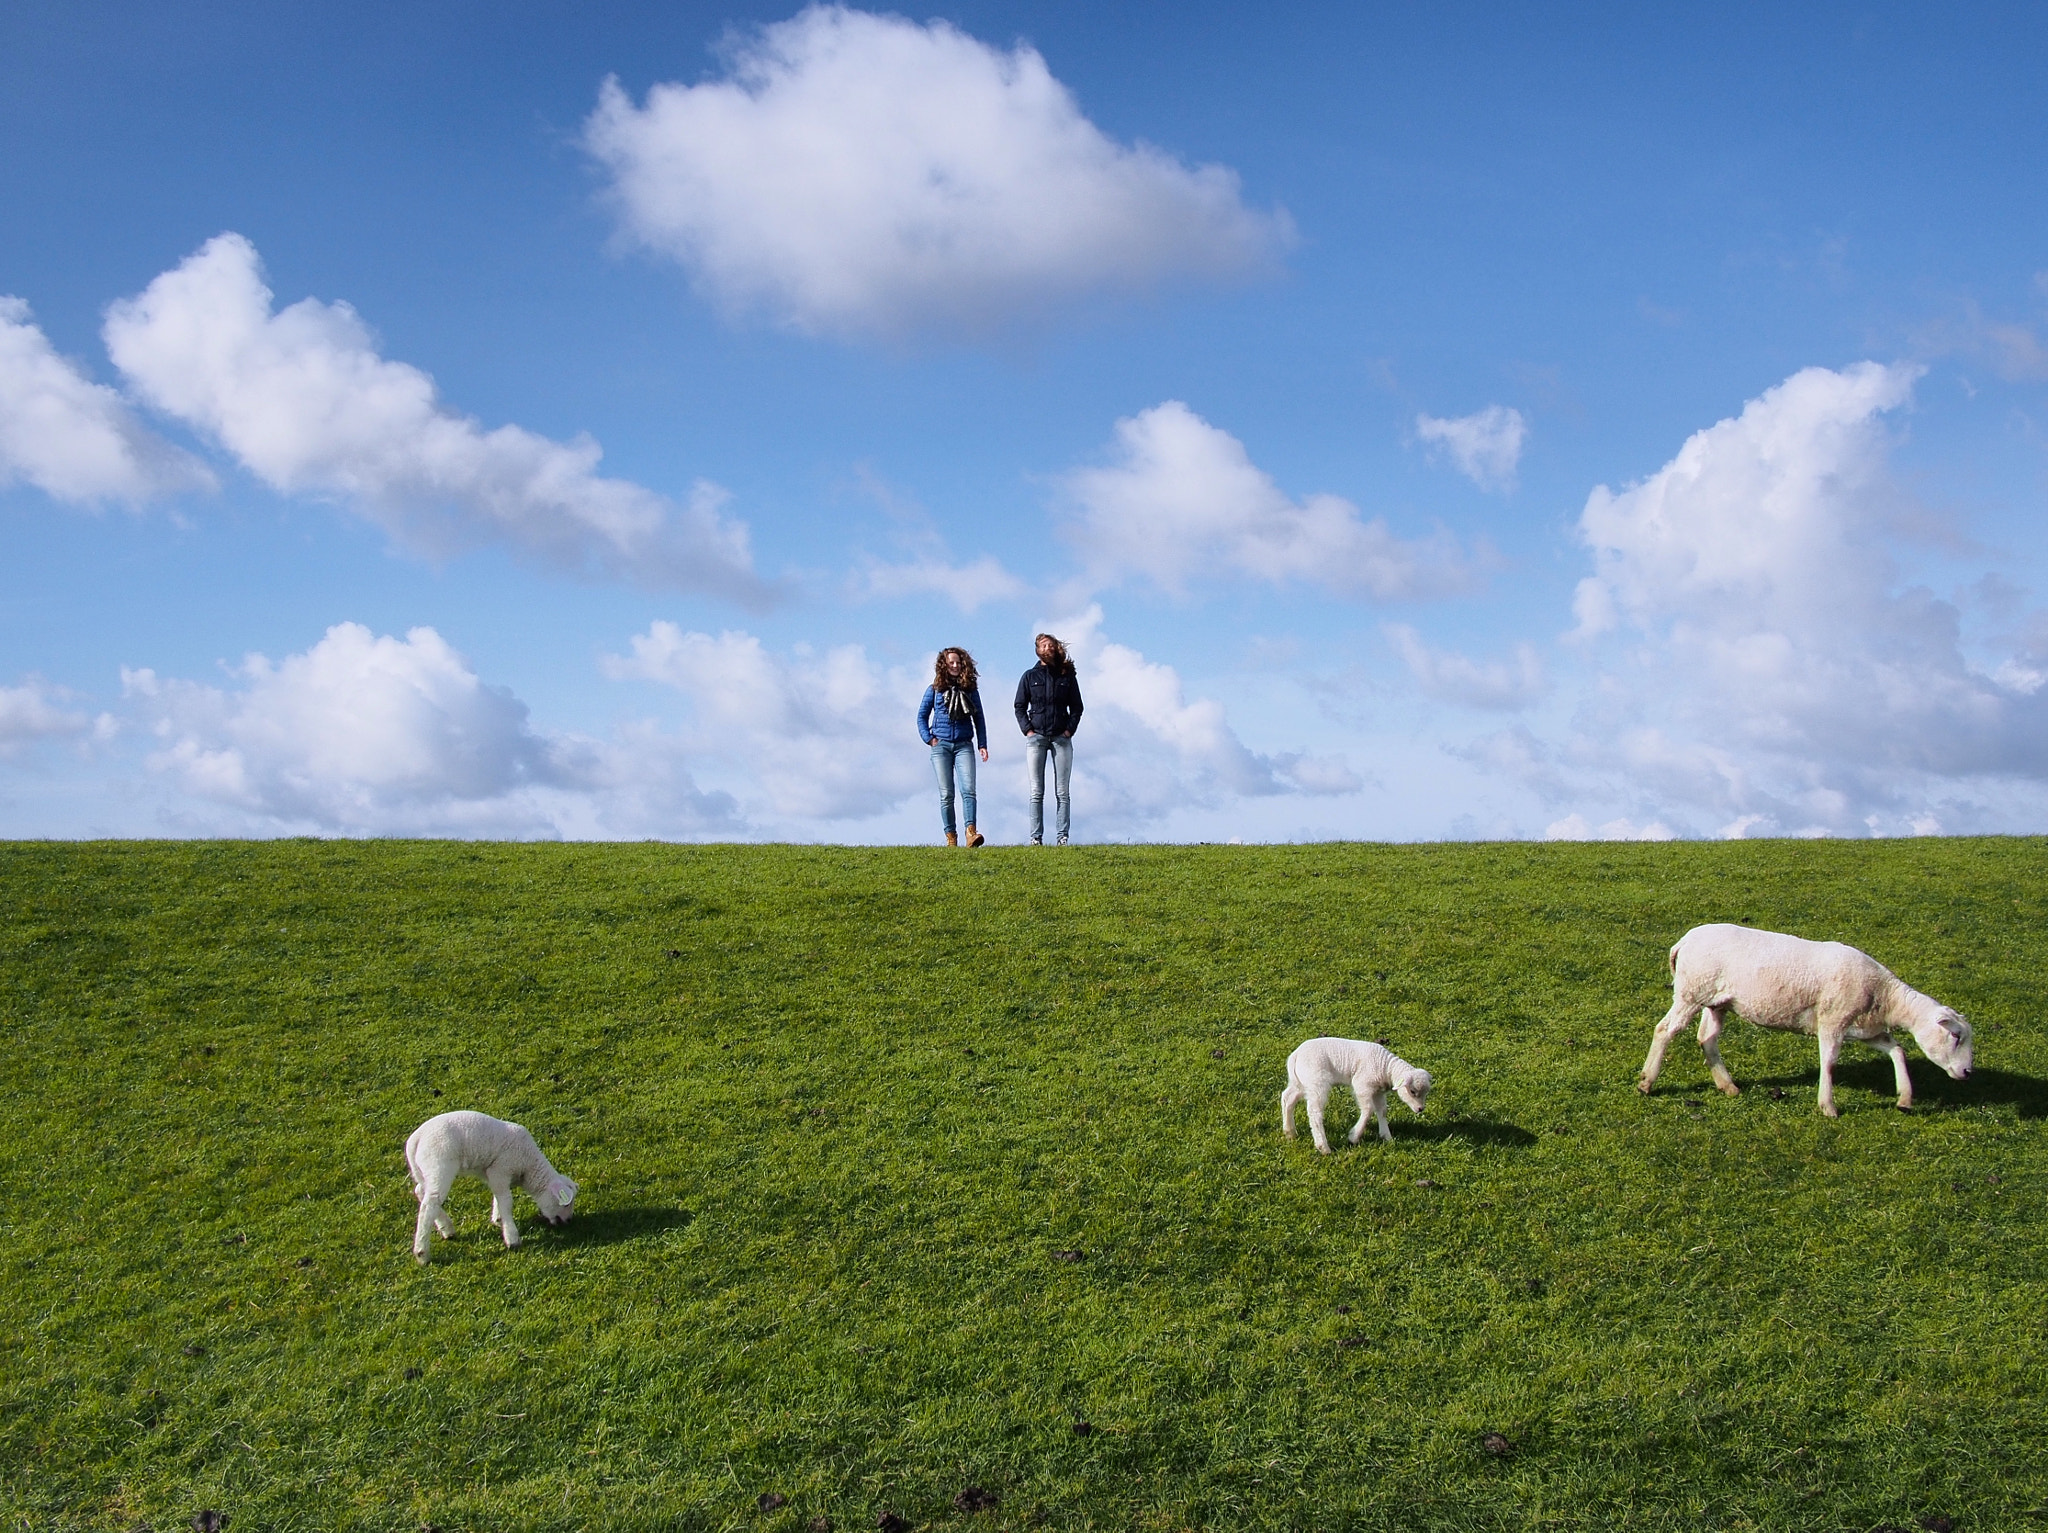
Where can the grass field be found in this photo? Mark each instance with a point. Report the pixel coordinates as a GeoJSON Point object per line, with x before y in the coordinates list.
{"type": "Point", "coordinates": [843, 1117]}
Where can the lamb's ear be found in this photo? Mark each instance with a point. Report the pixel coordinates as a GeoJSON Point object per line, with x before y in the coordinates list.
{"type": "Point", "coordinates": [565, 1192]}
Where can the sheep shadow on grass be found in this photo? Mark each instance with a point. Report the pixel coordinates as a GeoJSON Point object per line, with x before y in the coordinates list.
{"type": "Point", "coordinates": [1931, 1087]}
{"type": "Point", "coordinates": [610, 1226]}
{"type": "Point", "coordinates": [1474, 1131]}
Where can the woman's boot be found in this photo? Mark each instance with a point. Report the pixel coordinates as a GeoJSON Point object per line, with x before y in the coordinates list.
{"type": "Point", "coordinates": [951, 839]}
{"type": "Point", "coordinates": [974, 837]}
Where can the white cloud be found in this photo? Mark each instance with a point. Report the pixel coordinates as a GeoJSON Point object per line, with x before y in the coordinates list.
{"type": "Point", "coordinates": [1181, 499]}
{"type": "Point", "coordinates": [1575, 828]}
{"type": "Point", "coordinates": [862, 175]}
{"type": "Point", "coordinates": [1453, 678]}
{"type": "Point", "coordinates": [817, 737]}
{"type": "Point", "coordinates": [969, 587]}
{"type": "Point", "coordinates": [1150, 751]}
{"type": "Point", "coordinates": [1764, 664]}
{"type": "Point", "coordinates": [73, 439]}
{"type": "Point", "coordinates": [302, 398]}
{"type": "Point", "coordinates": [373, 734]}
{"type": "Point", "coordinates": [35, 711]}
{"type": "Point", "coordinates": [1486, 447]}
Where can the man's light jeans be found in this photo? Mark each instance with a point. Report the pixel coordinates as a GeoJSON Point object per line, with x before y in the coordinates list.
{"type": "Point", "coordinates": [946, 755]}
{"type": "Point", "coordinates": [1062, 749]}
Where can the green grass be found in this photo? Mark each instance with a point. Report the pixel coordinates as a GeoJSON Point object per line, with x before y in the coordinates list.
{"type": "Point", "coordinates": [834, 1111]}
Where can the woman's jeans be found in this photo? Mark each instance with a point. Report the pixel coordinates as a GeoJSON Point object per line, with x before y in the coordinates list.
{"type": "Point", "coordinates": [1062, 749]}
{"type": "Point", "coordinates": [945, 755]}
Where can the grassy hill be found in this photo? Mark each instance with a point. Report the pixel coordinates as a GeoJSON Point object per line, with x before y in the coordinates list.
{"type": "Point", "coordinates": [898, 1164]}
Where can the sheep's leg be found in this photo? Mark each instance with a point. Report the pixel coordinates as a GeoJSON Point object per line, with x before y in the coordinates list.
{"type": "Point", "coordinates": [1830, 1047]}
{"type": "Point", "coordinates": [432, 1195]}
{"type": "Point", "coordinates": [1899, 1072]}
{"type": "Point", "coordinates": [1710, 1045]}
{"type": "Point", "coordinates": [1379, 1106]}
{"type": "Point", "coordinates": [501, 1208]}
{"type": "Point", "coordinates": [1288, 1099]}
{"type": "Point", "coordinates": [1660, 1040]}
{"type": "Point", "coordinates": [1318, 1098]}
{"type": "Point", "coordinates": [1366, 1097]}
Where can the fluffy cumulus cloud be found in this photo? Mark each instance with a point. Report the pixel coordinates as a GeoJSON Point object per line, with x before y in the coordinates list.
{"type": "Point", "coordinates": [35, 711]}
{"type": "Point", "coordinates": [73, 439]}
{"type": "Point", "coordinates": [370, 734]}
{"type": "Point", "coordinates": [862, 175]}
{"type": "Point", "coordinates": [1453, 678]}
{"type": "Point", "coordinates": [1764, 664]}
{"type": "Point", "coordinates": [1486, 448]}
{"type": "Point", "coordinates": [1151, 751]}
{"type": "Point", "coordinates": [821, 739]}
{"type": "Point", "coordinates": [302, 397]}
{"type": "Point", "coordinates": [817, 737]}
{"type": "Point", "coordinates": [1179, 500]}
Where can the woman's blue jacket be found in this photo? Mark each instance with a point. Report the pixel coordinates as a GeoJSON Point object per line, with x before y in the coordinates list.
{"type": "Point", "coordinates": [934, 722]}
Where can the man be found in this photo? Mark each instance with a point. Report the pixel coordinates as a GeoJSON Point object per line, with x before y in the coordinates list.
{"type": "Point", "coordinates": [1049, 711]}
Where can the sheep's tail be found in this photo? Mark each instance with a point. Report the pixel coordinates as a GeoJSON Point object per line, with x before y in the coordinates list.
{"type": "Point", "coordinates": [1671, 958]}
{"type": "Point", "coordinates": [412, 1169]}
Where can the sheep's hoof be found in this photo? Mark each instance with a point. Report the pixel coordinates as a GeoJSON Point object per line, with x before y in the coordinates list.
{"type": "Point", "coordinates": [1728, 1088]}
{"type": "Point", "coordinates": [1905, 1104]}
{"type": "Point", "coordinates": [1829, 1109]}
{"type": "Point", "coordinates": [1643, 1087]}
{"type": "Point", "coordinates": [420, 1257]}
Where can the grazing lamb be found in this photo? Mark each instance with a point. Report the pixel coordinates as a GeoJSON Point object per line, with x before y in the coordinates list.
{"type": "Point", "coordinates": [501, 1154]}
{"type": "Point", "coordinates": [1321, 1063]}
{"type": "Point", "coordinates": [1823, 988]}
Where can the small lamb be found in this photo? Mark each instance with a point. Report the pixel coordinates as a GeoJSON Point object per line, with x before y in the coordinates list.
{"type": "Point", "coordinates": [1321, 1063]}
{"type": "Point", "coordinates": [502, 1155]}
{"type": "Point", "coordinates": [1826, 989]}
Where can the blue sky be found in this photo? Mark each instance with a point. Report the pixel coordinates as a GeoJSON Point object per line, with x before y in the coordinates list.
{"type": "Point", "coordinates": [1425, 422]}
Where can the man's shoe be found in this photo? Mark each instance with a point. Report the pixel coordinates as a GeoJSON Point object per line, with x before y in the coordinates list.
{"type": "Point", "coordinates": [974, 837]}
{"type": "Point", "coordinates": [951, 839]}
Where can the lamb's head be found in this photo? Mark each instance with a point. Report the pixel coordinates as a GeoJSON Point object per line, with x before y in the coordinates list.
{"type": "Point", "coordinates": [556, 1198]}
{"type": "Point", "coordinates": [1413, 1088]}
{"type": "Point", "coordinates": [1944, 1037]}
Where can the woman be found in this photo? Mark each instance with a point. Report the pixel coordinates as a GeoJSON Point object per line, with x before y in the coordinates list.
{"type": "Point", "coordinates": [949, 720]}
{"type": "Point", "coordinates": [1048, 707]}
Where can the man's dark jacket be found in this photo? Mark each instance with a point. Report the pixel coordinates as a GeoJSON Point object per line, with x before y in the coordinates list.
{"type": "Point", "coordinates": [1048, 701]}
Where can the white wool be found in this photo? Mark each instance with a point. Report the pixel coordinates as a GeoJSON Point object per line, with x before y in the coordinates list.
{"type": "Point", "coordinates": [500, 1154]}
{"type": "Point", "coordinates": [1826, 989]}
{"type": "Point", "coordinates": [1321, 1063]}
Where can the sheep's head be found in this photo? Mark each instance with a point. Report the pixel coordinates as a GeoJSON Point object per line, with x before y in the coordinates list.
{"type": "Point", "coordinates": [1943, 1034]}
{"type": "Point", "coordinates": [556, 1200]}
{"type": "Point", "coordinates": [1413, 1088]}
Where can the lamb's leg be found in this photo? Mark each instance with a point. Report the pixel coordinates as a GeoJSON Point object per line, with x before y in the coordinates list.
{"type": "Point", "coordinates": [1379, 1106]}
{"type": "Point", "coordinates": [501, 1207]}
{"type": "Point", "coordinates": [1367, 1098]}
{"type": "Point", "coordinates": [1660, 1040]}
{"type": "Point", "coordinates": [1318, 1098]}
{"type": "Point", "coordinates": [1830, 1047]}
{"type": "Point", "coordinates": [1710, 1045]}
{"type": "Point", "coordinates": [1288, 1098]}
{"type": "Point", "coordinates": [1899, 1072]}
{"type": "Point", "coordinates": [432, 1194]}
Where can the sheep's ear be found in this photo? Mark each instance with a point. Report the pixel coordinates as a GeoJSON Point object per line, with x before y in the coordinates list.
{"type": "Point", "coordinates": [567, 1194]}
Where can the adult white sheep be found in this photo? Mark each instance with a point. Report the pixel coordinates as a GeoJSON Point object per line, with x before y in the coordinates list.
{"type": "Point", "coordinates": [502, 1155]}
{"type": "Point", "coordinates": [1826, 989]}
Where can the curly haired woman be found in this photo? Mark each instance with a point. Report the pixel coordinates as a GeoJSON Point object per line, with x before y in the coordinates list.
{"type": "Point", "coordinates": [949, 720]}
